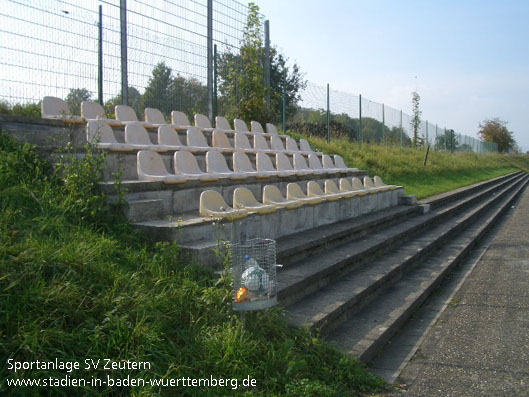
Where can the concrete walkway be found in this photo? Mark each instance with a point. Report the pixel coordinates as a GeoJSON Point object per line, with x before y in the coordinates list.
{"type": "Point", "coordinates": [480, 345]}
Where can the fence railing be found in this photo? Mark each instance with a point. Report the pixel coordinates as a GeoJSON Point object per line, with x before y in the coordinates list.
{"type": "Point", "coordinates": [112, 51]}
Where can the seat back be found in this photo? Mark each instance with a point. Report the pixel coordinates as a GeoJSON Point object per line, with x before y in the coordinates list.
{"type": "Point", "coordinates": [167, 135]}
{"type": "Point", "coordinates": [195, 137]}
{"type": "Point", "coordinates": [179, 119]}
{"type": "Point", "coordinates": [257, 128]}
{"type": "Point", "coordinates": [272, 193]}
{"type": "Point", "coordinates": [98, 130]}
{"type": "Point", "coordinates": [202, 121]}
{"type": "Point", "coordinates": [368, 182]}
{"type": "Point", "coordinates": [212, 200]}
{"type": "Point", "coordinates": [299, 162]}
{"type": "Point", "coordinates": [283, 163]}
{"type": "Point", "coordinates": [92, 110]}
{"type": "Point", "coordinates": [241, 141]}
{"type": "Point", "coordinates": [222, 124]}
{"type": "Point", "coordinates": [240, 125]}
{"type": "Point", "coordinates": [263, 162]}
{"type": "Point", "coordinates": [259, 142]}
{"type": "Point", "coordinates": [215, 162]}
{"type": "Point", "coordinates": [220, 139]}
{"type": "Point", "coordinates": [271, 129]}
{"type": "Point", "coordinates": [150, 163]}
{"type": "Point", "coordinates": [314, 162]}
{"type": "Point", "coordinates": [327, 162]}
{"type": "Point", "coordinates": [243, 197]}
{"type": "Point", "coordinates": [186, 163]}
{"type": "Point", "coordinates": [276, 144]}
{"type": "Point", "coordinates": [291, 144]}
{"type": "Point", "coordinates": [330, 187]}
{"type": "Point", "coordinates": [378, 182]}
{"type": "Point", "coordinates": [294, 191]}
{"type": "Point", "coordinates": [357, 184]}
{"type": "Point", "coordinates": [154, 116]}
{"type": "Point", "coordinates": [304, 145]}
{"type": "Point", "coordinates": [339, 162]}
{"type": "Point", "coordinates": [314, 189]}
{"type": "Point", "coordinates": [52, 107]}
{"type": "Point", "coordinates": [345, 185]}
{"type": "Point", "coordinates": [136, 134]}
{"type": "Point", "coordinates": [241, 163]}
{"type": "Point", "coordinates": [125, 113]}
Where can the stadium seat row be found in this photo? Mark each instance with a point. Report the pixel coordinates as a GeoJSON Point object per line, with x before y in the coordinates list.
{"type": "Point", "coordinates": [150, 166]}
{"type": "Point", "coordinates": [213, 205]}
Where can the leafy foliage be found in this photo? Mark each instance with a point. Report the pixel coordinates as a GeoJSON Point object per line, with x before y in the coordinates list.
{"type": "Point", "coordinates": [18, 109]}
{"type": "Point", "coordinates": [75, 97]}
{"type": "Point", "coordinates": [495, 130]}
{"type": "Point", "coordinates": [416, 119]}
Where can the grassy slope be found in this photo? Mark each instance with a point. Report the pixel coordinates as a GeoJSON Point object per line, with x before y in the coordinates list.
{"type": "Point", "coordinates": [77, 282]}
{"type": "Point", "coordinates": [404, 166]}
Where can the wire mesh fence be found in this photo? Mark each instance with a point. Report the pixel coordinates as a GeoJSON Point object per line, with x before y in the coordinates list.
{"type": "Point", "coordinates": [182, 55]}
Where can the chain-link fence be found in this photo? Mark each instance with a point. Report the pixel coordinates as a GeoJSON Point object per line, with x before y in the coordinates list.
{"type": "Point", "coordinates": [331, 113]}
{"type": "Point", "coordinates": [182, 55]}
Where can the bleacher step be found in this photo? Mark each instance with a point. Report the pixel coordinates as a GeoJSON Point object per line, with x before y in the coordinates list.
{"type": "Point", "coordinates": [144, 210]}
{"type": "Point", "coordinates": [371, 327]}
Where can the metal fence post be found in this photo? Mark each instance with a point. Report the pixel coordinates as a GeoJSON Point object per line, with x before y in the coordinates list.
{"type": "Point", "coordinates": [427, 143]}
{"type": "Point", "coordinates": [215, 98]}
{"type": "Point", "coordinates": [100, 58]}
{"type": "Point", "coordinates": [401, 128]}
{"type": "Point", "coordinates": [360, 119]}
{"type": "Point", "coordinates": [267, 61]}
{"type": "Point", "coordinates": [383, 126]}
{"type": "Point", "coordinates": [328, 117]}
{"type": "Point", "coordinates": [284, 103]}
{"type": "Point", "coordinates": [210, 60]}
{"type": "Point", "coordinates": [123, 29]}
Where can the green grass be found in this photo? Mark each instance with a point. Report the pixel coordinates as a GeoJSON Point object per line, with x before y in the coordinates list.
{"type": "Point", "coordinates": [77, 282]}
{"type": "Point", "coordinates": [444, 171]}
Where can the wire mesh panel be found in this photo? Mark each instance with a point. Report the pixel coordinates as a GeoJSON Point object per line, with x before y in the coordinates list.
{"type": "Point", "coordinates": [253, 266]}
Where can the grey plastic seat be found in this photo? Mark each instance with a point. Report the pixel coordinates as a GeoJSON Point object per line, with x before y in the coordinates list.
{"type": "Point", "coordinates": [94, 111]}
{"type": "Point", "coordinates": [314, 190]}
{"type": "Point", "coordinates": [340, 163]}
{"type": "Point", "coordinates": [220, 140]}
{"type": "Point", "coordinates": [304, 146]}
{"type": "Point", "coordinates": [186, 164]}
{"type": "Point", "coordinates": [260, 144]}
{"type": "Point", "coordinates": [370, 186]}
{"type": "Point", "coordinates": [222, 124]}
{"type": "Point", "coordinates": [242, 143]}
{"type": "Point", "coordinates": [216, 165]}
{"type": "Point", "coordinates": [300, 165]}
{"type": "Point", "coordinates": [242, 164]}
{"type": "Point", "coordinates": [57, 109]}
{"type": "Point", "coordinates": [276, 144]}
{"type": "Point", "coordinates": [155, 117]}
{"type": "Point", "coordinates": [314, 164]}
{"type": "Point", "coordinates": [257, 128]}
{"type": "Point", "coordinates": [283, 164]}
{"type": "Point", "coordinates": [137, 135]}
{"type": "Point", "coordinates": [331, 188]}
{"type": "Point", "coordinates": [179, 120]}
{"type": "Point", "coordinates": [169, 139]}
{"type": "Point", "coordinates": [357, 185]}
{"type": "Point", "coordinates": [346, 186]}
{"type": "Point", "coordinates": [271, 129]}
{"type": "Point", "coordinates": [212, 205]}
{"type": "Point", "coordinates": [291, 145]}
{"type": "Point", "coordinates": [294, 192]}
{"type": "Point", "coordinates": [151, 167]}
{"type": "Point", "coordinates": [202, 122]}
{"type": "Point", "coordinates": [380, 183]}
{"type": "Point", "coordinates": [99, 132]}
{"type": "Point", "coordinates": [240, 126]}
{"type": "Point", "coordinates": [263, 163]}
{"type": "Point", "coordinates": [244, 198]}
{"type": "Point", "coordinates": [127, 115]}
{"type": "Point", "coordinates": [272, 195]}
{"type": "Point", "coordinates": [328, 165]}
{"type": "Point", "coordinates": [196, 139]}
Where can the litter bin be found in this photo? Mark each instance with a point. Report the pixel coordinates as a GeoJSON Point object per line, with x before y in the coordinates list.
{"type": "Point", "coordinates": [253, 266]}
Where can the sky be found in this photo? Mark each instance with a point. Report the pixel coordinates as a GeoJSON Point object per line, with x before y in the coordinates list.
{"type": "Point", "coordinates": [468, 60]}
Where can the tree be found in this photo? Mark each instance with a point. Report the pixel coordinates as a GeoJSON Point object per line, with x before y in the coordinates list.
{"type": "Point", "coordinates": [158, 91]}
{"type": "Point", "coordinates": [134, 102]}
{"type": "Point", "coordinates": [416, 120]}
{"type": "Point", "coordinates": [242, 89]}
{"type": "Point", "coordinates": [75, 97]}
{"type": "Point", "coordinates": [495, 130]}
{"type": "Point", "coordinates": [447, 141]}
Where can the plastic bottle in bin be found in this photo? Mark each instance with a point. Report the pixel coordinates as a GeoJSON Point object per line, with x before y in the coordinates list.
{"type": "Point", "coordinates": [254, 278]}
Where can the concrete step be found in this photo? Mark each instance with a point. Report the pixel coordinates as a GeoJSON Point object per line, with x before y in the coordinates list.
{"type": "Point", "coordinates": [321, 269]}
{"type": "Point", "coordinates": [364, 333]}
{"type": "Point", "coordinates": [143, 210]}
{"type": "Point", "coordinates": [326, 308]}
